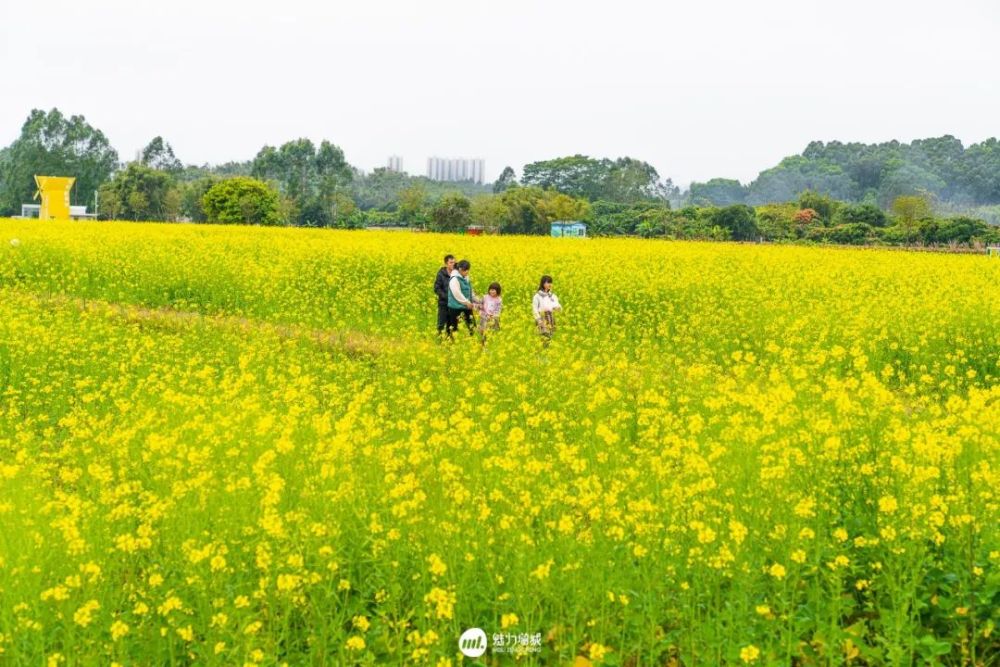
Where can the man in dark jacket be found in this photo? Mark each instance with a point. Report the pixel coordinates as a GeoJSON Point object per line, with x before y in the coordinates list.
{"type": "Point", "coordinates": [441, 289]}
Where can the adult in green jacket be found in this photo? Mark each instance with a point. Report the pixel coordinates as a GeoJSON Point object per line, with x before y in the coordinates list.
{"type": "Point", "coordinates": [461, 298]}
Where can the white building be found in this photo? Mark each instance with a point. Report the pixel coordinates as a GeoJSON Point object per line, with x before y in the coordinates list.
{"type": "Point", "coordinates": [395, 163]}
{"type": "Point", "coordinates": [456, 169]}
{"type": "Point", "coordinates": [75, 212]}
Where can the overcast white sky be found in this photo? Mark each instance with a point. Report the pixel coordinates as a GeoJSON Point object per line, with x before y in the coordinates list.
{"type": "Point", "coordinates": [697, 88]}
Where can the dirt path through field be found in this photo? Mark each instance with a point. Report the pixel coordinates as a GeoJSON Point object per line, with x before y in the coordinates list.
{"type": "Point", "coordinates": [353, 343]}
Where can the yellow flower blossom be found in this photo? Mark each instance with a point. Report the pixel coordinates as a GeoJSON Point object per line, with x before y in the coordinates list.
{"type": "Point", "coordinates": [118, 630]}
{"type": "Point", "coordinates": [749, 653]}
{"type": "Point", "coordinates": [84, 615]}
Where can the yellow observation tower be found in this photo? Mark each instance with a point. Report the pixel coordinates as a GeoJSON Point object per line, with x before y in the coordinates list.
{"type": "Point", "coordinates": [54, 192]}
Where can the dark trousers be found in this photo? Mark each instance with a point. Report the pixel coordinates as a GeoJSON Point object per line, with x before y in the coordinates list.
{"type": "Point", "coordinates": [454, 314]}
{"type": "Point", "coordinates": [442, 315]}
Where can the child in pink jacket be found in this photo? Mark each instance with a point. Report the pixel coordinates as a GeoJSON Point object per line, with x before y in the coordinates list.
{"type": "Point", "coordinates": [489, 310]}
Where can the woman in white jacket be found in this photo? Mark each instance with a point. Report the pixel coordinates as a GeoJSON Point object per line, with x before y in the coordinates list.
{"type": "Point", "coordinates": [543, 306]}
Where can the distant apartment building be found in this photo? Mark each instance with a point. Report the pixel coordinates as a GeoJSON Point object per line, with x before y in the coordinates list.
{"type": "Point", "coordinates": [460, 169]}
{"type": "Point", "coordinates": [395, 163]}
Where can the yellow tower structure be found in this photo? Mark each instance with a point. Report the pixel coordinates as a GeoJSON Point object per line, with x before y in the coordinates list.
{"type": "Point", "coordinates": [54, 191]}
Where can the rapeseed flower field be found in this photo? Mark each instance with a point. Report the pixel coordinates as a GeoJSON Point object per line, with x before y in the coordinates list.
{"type": "Point", "coordinates": [246, 446]}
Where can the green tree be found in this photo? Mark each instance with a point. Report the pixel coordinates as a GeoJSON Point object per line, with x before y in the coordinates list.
{"type": "Point", "coordinates": [739, 220]}
{"type": "Point", "coordinates": [506, 180]}
{"type": "Point", "coordinates": [623, 180]}
{"type": "Point", "coordinates": [333, 210]}
{"type": "Point", "coordinates": [172, 202]}
{"type": "Point", "coordinates": [242, 200]}
{"type": "Point", "coordinates": [777, 221]}
{"type": "Point", "coordinates": [309, 176]}
{"type": "Point", "coordinates": [644, 218]}
{"type": "Point", "coordinates": [909, 209]}
{"type": "Point", "coordinates": [343, 210]}
{"type": "Point", "coordinates": [717, 192]}
{"type": "Point", "coordinates": [796, 174]}
{"type": "Point", "coordinates": [314, 214]}
{"type": "Point", "coordinates": [110, 206]}
{"type": "Point", "coordinates": [136, 205]}
{"type": "Point", "coordinates": [861, 213]}
{"type": "Point", "coordinates": [289, 210]}
{"type": "Point", "coordinates": [904, 179]}
{"type": "Point", "coordinates": [851, 233]}
{"type": "Point", "coordinates": [140, 193]}
{"type": "Point", "coordinates": [158, 154]}
{"type": "Point", "coordinates": [291, 166]}
{"type": "Point", "coordinates": [960, 229]}
{"type": "Point", "coordinates": [655, 222]}
{"type": "Point", "coordinates": [577, 175]}
{"type": "Point", "coordinates": [855, 172]}
{"type": "Point", "coordinates": [559, 206]}
{"type": "Point", "coordinates": [380, 189]}
{"type": "Point", "coordinates": [51, 144]}
{"type": "Point", "coordinates": [661, 220]}
{"type": "Point", "coordinates": [525, 213]}
{"type": "Point", "coordinates": [630, 180]}
{"type": "Point", "coordinates": [489, 212]}
{"type": "Point", "coordinates": [451, 213]}
{"type": "Point", "coordinates": [4, 157]}
{"type": "Point", "coordinates": [412, 205]}
{"type": "Point", "coordinates": [192, 197]}
{"type": "Point", "coordinates": [823, 204]}
{"type": "Point", "coordinates": [193, 173]}
{"type": "Point", "coordinates": [333, 175]}
{"type": "Point", "coordinates": [530, 210]}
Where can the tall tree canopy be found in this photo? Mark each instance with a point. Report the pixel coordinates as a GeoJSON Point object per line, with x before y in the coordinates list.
{"type": "Point", "coordinates": [300, 169]}
{"type": "Point", "coordinates": [622, 180]}
{"type": "Point", "coordinates": [310, 177]}
{"type": "Point", "coordinates": [451, 213]}
{"type": "Point", "coordinates": [51, 144]}
{"type": "Point", "coordinates": [718, 191]}
{"type": "Point", "coordinates": [158, 154]}
{"type": "Point", "coordinates": [139, 192]}
{"type": "Point", "coordinates": [506, 179]}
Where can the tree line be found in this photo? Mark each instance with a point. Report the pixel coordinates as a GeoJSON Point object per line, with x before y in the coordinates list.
{"type": "Point", "coordinates": [811, 218]}
{"type": "Point", "coordinates": [874, 174]}
{"type": "Point", "coordinates": [839, 193]}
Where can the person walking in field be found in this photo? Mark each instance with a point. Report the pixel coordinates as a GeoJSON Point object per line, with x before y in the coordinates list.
{"type": "Point", "coordinates": [461, 298]}
{"type": "Point", "coordinates": [543, 306]}
{"type": "Point", "coordinates": [441, 290]}
{"type": "Point", "coordinates": [489, 311]}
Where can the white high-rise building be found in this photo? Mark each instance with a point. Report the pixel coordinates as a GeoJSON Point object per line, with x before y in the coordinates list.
{"type": "Point", "coordinates": [395, 163]}
{"type": "Point", "coordinates": [456, 169]}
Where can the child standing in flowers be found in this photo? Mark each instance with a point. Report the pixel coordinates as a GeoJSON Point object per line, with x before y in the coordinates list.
{"type": "Point", "coordinates": [489, 311]}
{"type": "Point", "coordinates": [543, 306]}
